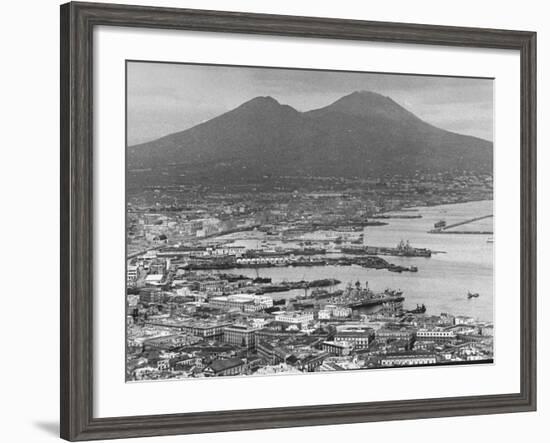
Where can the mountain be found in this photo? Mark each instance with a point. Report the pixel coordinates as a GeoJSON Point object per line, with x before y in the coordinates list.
{"type": "Point", "coordinates": [362, 134]}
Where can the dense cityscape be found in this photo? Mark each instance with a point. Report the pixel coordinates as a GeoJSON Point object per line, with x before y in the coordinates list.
{"type": "Point", "coordinates": [199, 305]}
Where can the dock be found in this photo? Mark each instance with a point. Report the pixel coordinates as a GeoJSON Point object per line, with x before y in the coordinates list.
{"type": "Point", "coordinates": [445, 229]}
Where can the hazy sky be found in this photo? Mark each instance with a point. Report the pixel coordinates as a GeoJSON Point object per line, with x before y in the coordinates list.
{"type": "Point", "coordinates": [165, 98]}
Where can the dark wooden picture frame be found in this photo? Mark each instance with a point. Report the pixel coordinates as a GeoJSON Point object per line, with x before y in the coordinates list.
{"type": "Point", "coordinates": [77, 23]}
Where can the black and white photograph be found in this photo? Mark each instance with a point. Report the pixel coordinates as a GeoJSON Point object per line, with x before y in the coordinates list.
{"type": "Point", "coordinates": [229, 221]}
{"type": "Point", "coordinates": [290, 221]}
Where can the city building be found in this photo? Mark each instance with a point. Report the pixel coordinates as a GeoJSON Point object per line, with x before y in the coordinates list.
{"type": "Point", "coordinates": [212, 286]}
{"type": "Point", "coordinates": [281, 368]}
{"type": "Point", "coordinates": [310, 362]}
{"type": "Point", "coordinates": [205, 329]}
{"type": "Point", "coordinates": [242, 302]}
{"type": "Point", "coordinates": [411, 359]}
{"type": "Point", "coordinates": [358, 338]}
{"type": "Point", "coordinates": [266, 350]}
{"type": "Point", "coordinates": [154, 279]}
{"type": "Point", "coordinates": [436, 335]}
{"type": "Point", "coordinates": [337, 348]}
{"type": "Point", "coordinates": [169, 342]}
{"type": "Point", "coordinates": [387, 335]}
{"type": "Point", "coordinates": [199, 328]}
{"type": "Point", "coordinates": [131, 274]}
{"type": "Point", "coordinates": [341, 312]}
{"type": "Point", "coordinates": [240, 335]}
{"type": "Point", "coordinates": [295, 317]}
{"type": "Point", "coordinates": [463, 320]}
{"type": "Point", "coordinates": [231, 366]}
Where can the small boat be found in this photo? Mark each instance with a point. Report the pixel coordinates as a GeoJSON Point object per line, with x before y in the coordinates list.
{"type": "Point", "coordinates": [473, 294]}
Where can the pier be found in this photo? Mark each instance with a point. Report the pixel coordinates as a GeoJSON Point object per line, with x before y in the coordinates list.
{"type": "Point", "coordinates": [445, 229]}
{"type": "Point", "coordinates": [396, 216]}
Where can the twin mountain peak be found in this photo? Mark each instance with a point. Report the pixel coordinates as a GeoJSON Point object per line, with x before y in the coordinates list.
{"type": "Point", "coordinates": [362, 134]}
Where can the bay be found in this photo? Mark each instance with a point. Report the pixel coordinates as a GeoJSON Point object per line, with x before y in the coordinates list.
{"type": "Point", "coordinates": [442, 281]}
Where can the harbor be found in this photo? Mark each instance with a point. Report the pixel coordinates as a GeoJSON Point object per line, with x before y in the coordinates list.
{"type": "Point", "coordinates": [467, 258]}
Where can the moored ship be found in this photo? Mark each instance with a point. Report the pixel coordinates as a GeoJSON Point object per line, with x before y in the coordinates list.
{"type": "Point", "coordinates": [420, 309]}
{"type": "Point", "coordinates": [403, 249]}
{"type": "Point", "coordinates": [356, 296]}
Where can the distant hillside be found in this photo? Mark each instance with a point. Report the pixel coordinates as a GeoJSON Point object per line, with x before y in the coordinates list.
{"type": "Point", "coordinates": [361, 134]}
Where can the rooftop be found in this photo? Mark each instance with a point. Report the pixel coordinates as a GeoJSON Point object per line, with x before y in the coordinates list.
{"type": "Point", "coordinates": [223, 365]}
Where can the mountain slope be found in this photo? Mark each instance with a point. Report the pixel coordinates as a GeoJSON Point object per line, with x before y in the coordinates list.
{"type": "Point", "coordinates": [361, 134]}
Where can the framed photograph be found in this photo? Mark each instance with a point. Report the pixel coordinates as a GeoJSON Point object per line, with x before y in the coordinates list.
{"type": "Point", "coordinates": [273, 221]}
